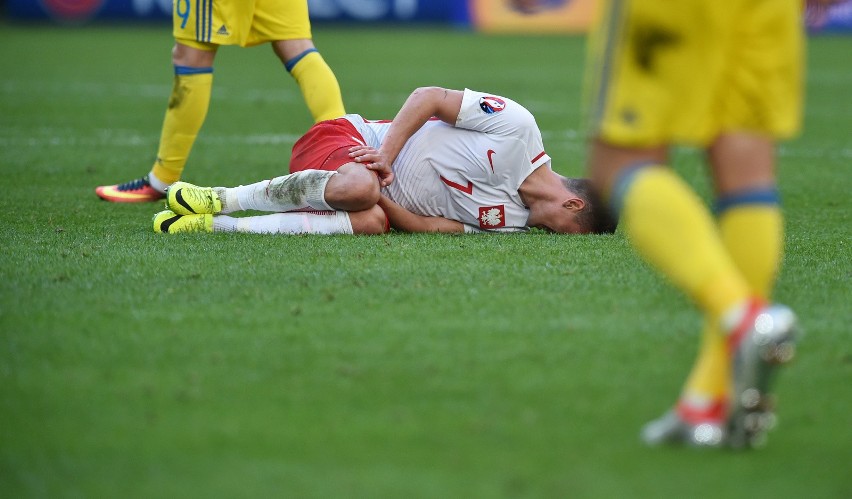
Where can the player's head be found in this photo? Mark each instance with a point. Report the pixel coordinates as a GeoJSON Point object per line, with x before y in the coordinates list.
{"type": "Point", "coordinates": [592, 217]}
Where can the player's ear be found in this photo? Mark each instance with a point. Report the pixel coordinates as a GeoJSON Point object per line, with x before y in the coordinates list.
{"type": "Point", "coordinates": [574, 204]}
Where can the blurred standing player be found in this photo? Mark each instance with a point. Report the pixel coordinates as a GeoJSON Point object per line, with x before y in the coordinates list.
{"type": "Point", "coordinates": [726, 77]}
{"type": "Point", "coordinates": [200, 27]}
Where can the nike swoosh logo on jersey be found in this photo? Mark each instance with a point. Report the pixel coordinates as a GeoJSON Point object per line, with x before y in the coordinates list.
{"type": "Point", "coordinates": [467, 190]}
{"type": "Point", "coordinates": [490, 161]}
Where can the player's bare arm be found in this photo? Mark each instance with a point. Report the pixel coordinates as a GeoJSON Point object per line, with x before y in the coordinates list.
{"type": "Point", "coordinates": [404, 220]}
{"type": "Point", "coordinates": [421, 105]}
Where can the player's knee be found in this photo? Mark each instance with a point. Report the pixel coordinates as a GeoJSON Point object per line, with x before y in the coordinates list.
{"type": "Point", "coordinates": [353, 188]}
{"type": "Point", "coordinates": [372, 221]}
{"type": "Point", "coordinates": [184, 55]}
{"type": "Point", "coordinates": [367, 190]}
{"type": "Point", "coordinates": [287, 50]}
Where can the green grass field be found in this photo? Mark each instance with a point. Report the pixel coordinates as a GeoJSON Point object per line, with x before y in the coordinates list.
{"type": "Point", "coordinates": [134, 364]}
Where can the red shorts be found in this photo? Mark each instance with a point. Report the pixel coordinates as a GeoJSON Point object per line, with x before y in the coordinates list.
{"type": "Point", "coordinates": [325, 146]}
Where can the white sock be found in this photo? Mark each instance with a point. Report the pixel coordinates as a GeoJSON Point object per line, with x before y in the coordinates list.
{"type": "Point", "coordinates": [296, 222]}
{"type": "Point", "coordinates": [297, 191]}
{"type": "Point", "coordinates": [156, 183]}
{"type": "Point", "coordinates": [224, 223]}
{"type": "Point", "coordinates": [229, 204]}
{"type": "Point", "coordinates": [732, 318]}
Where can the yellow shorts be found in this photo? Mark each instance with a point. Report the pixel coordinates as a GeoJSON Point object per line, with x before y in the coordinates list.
{"type": "Point", "coordinates": [684, 71]}
{"type": "Point", "coordinates": [206, 23]}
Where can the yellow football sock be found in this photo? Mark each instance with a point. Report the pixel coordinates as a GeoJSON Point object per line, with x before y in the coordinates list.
{"type": "Point", "coordinates": [753, 235]}
{"type": "Point", "coordinates": [709, 379]}
{"type": "Point", "coordinates": [187, 110]}
{"type": "Point", "coordinates": [318, 84]}
{"type": "Point", "coordinates": [672, 229]}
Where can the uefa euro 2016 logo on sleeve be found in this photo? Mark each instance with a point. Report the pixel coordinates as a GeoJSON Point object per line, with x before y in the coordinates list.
{"type": "Point", "coordinates": [491, 105]}
{"type": "Point", "coordinates": [71, 10]}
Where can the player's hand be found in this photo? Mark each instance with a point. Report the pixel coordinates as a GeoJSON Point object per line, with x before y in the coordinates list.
{"type": "Point", "coordinates": [374, 160]}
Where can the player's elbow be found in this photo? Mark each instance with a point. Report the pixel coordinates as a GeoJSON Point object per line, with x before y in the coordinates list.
{"type": "Point", "coordinates": [444, 226]}
{"type": "Point", "coordinates": [428, 92]}
{"type": "Point", "coordinates": [429, 97]}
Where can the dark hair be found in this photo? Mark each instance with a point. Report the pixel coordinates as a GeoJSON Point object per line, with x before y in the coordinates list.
{"type": "Point", "coordinates": [595, 217]}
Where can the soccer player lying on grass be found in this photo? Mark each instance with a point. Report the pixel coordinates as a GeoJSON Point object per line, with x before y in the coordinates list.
{"type": "Point", "coordinates": [450, 161]}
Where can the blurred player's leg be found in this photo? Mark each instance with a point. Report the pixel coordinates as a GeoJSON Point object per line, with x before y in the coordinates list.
{"type": "Point", "coordinates": [748, 206]}
{"type": "Point", "coordinates": [672, 229]}
{"type": "Point", "coordinates": [750, 222]}
{"type": "Point", "coordinates": [668, 227]}
{"type": "Point", "coordinates": [649, 90]}
{"type": "Point", "coordinates": [751, 227]}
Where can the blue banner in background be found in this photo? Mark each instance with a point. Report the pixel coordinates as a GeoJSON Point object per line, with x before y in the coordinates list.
{"type": "Point", "coordinates": [402, 11]}
{"type": "Point", "coordinates": [430, 11]}
{"type": "Point", "coordinates": [836, 18]}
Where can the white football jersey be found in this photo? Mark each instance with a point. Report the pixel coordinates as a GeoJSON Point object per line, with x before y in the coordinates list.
{"type": "Point", "coordinates": [469, 172]}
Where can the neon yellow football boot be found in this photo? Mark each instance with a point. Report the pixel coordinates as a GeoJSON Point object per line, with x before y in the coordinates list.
{"type": "Point", "coordinates": [184, 198]}
{"type": "Point", "coordinates": [170, 222]}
